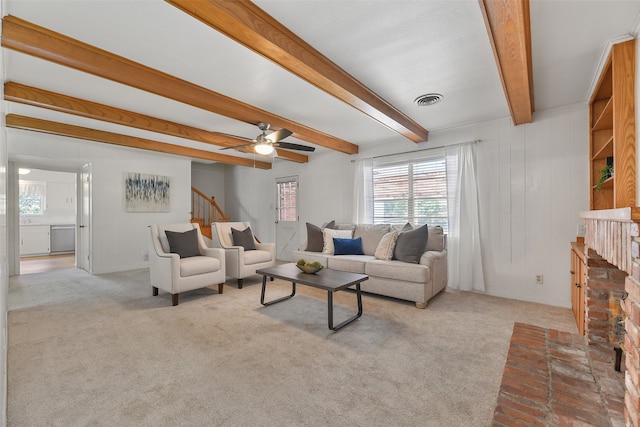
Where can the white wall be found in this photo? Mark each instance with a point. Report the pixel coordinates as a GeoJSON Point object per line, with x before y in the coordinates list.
{"type": "Point", "coordinates": [119, 238]}
{"type": "Point", "coordinates": [4, 259]}
{"type": "Point", "coordinates": [210, 180]}
{"type": "Point", "coordinates": [532, 179]}
{"type": "Point", "coordinates": [325, 192]}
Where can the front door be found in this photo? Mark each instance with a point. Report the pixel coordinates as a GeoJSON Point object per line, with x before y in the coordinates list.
{"type": "Point", "coordinates": [286, 217]}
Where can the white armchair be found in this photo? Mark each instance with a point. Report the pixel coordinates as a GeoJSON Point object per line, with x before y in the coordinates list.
{"type": "Point", "coordinates": [239, 262]}
{"type": "Point", "coordinates": [174, 274]}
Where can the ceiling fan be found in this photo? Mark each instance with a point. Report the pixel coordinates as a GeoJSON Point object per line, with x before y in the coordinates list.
{"type": "Point", "coordinates": [265, 143]}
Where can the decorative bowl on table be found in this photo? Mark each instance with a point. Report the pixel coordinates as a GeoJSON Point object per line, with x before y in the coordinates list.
{"type": "Point", "coordinates": [311, 269]}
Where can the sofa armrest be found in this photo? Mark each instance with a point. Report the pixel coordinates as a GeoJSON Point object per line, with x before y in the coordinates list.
{"type": "Point", "coordinates": [428, 258]}
{"type": "Point", "coordinates": [437, 262]}
{"type": "Point", "coordinates": [214, 253]}
{"type": "Point", "coordinates": [269, 247]}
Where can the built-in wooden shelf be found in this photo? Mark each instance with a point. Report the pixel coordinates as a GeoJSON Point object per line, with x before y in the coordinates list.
{"type": "Point", "coordinates": [605, 119]}
{"type": "Point", "coordinates": [605, 185]}
{"type": "Point", "coordinates": [612, 133]}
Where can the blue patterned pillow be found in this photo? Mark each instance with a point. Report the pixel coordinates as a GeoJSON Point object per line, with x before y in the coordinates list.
{"type": "Point", "coordinates": [347, 246]}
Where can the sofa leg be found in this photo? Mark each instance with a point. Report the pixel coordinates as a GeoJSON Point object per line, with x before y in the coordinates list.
{"type": "Point", "coordinates": [220, 286]}
{"type": "Point", "coordinates": [155, 291]}
{"type": "Point", "coordinates": [421, 304]}
{"type": "Point", "coordinates": [239, 283]}
{"type": "Point", "coordinates": [174, 299]}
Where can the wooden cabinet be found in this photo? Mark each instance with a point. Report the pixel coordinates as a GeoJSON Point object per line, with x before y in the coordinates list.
{"type": "Point", "coordinates": [34, 240]}
{"type": "Point", "coordinates": [578, 271]}
{"type": "Point", "coordinates": [60, 198]}
{"type": "Point", "coordinates": [612, 133]}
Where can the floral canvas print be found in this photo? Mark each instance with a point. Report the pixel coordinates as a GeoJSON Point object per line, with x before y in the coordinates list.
{"type": "Point", "coordinates": [146, 193]}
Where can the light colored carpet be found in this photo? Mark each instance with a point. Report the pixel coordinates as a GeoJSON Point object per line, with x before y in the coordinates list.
{"type": "Point", "coordinates": [101, 351]}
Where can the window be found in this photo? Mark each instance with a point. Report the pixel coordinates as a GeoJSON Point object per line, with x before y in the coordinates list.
{"type": "Point", "coordinates": [287, 199]}
{"type": "Point", "coordinates": [412, 191]}
{"type": "Point", "coordinates": [31, 197]}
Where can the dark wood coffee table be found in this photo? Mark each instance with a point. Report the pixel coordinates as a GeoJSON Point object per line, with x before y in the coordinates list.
{"type": "Point", "coordinates": [329, 280]}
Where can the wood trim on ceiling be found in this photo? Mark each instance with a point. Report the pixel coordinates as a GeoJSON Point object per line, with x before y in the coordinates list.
{"type": "Point", "coordinates": [29, 95]}
{"type": "Point", "coordinates": [32, 39]}
{"type": "Point", "coordinates": [15, 121]}
{"type": "Point", "coordinates": [252, 27]}
{"type": "Point", "coordinates": [509, 30]}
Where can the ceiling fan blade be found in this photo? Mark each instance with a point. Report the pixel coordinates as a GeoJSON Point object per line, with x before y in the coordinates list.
{"type": "Point", "coordinates": [292, 146]}
{"type": "Point", "coordinates": [238, 146]}
{"type": "Point", "coordinates": [279, 135]}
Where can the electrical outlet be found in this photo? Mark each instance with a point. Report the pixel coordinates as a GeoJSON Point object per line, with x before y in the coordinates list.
{"type": "Point", "coordinates": [539, 279]}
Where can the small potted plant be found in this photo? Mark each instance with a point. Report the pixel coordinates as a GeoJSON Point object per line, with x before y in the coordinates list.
{"type": "Point", "coordinates": [605, 173]}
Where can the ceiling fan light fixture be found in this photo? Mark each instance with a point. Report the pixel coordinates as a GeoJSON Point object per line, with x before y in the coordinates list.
{"type": "Point", "coordinates": [263, 148]}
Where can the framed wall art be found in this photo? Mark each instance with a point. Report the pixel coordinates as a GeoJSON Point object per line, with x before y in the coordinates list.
{"type": "Point", "coordinates": [146, 192]}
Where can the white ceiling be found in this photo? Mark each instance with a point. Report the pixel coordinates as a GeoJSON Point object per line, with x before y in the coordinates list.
{"type": "Point", "coordinates": [400, 49]}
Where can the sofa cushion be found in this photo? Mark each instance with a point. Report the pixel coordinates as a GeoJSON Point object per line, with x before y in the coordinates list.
{"type": "Point", "coordinates": [347, 246]}
{"type": "Point", "coordinates": [329, 234]}
{"type": "Point", "coordinates": [257, 256]}
{"type": "Point", "coordinates": [350, 263]}
{"type": "Point", "coordinates": [243, 238]}
{"type": "Point", "coordinates": [398, 270]}
{"type": "Point", "coordinates": [315, 239]}
{"type": "Point", "coordinates": [387, 245]}
{"type": "Point", "coordinates": [184, 244]}
{"type": "Point", "coordinates": [198, 265]}
{"type": "Point", "coordinates": [371, 235]}
{"type": "Point", "coordinates": [411, 244]}
{"type": "Point", "coordinates": [435, 242]}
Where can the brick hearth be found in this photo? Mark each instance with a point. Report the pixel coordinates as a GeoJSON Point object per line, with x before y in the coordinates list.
{"type": "Point", "coordinates": [554, 378]}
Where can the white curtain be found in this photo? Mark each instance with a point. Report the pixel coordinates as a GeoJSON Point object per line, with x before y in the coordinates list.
{"type": "Point", "coordinates": [464, 251]}
{"type": "Point", "coordinates": [32, 188]}
{"type": "Point", "coordinates": [363, 192]}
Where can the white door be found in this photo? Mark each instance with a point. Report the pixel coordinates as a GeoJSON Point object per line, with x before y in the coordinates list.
{"type": "Point", "coordinates": [83, 252]}
{"type": "Point", "coordinates": [286, 217]}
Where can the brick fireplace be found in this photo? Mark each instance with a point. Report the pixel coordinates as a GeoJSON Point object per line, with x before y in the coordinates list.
{"type": "Point", "coordinates": [613, 292]}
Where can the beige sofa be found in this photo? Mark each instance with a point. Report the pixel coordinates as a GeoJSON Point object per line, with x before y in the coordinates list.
{"type": "Point", "coordinates": [412, 282]}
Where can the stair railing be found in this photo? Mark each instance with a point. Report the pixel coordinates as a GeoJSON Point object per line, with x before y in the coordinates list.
{"type": "Point", "coordinates": [205, 208]}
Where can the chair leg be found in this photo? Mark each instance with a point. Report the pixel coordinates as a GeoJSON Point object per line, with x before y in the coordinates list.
{"type": "Point", "coordinates": [155, 291]}
{"type": "Point", "coordinates": [239, 283]}
{"type": "Point", "coordinates": [220, 286]}
{"type": "Point", "coordinates": [174, 299]}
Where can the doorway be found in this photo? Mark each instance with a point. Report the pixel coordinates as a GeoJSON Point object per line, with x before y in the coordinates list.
{"type": "Point", "coordinates": [286, 217]}
{"type": "Point", "coordinates": [46, 208]}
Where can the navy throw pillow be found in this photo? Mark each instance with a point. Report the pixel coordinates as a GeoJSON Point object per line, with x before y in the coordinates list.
{"type": "Point", "coordinates": [347, 246]}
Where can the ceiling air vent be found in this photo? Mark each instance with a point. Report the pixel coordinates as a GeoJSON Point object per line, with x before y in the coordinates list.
{"type": "Point", "coordinates": [428, 99]}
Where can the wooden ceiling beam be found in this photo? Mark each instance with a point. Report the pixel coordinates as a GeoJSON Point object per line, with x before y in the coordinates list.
{"type": "Point", "coordinates": [32, 39]}
{"type": "Point", "coordinates": [509, 29]}
{"type": "Point", "coordinates": [249, 25]}
{"type": "Point", "coordinates": [29, 95]}
{"type": "Point", "coordinates": [15, 121]}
